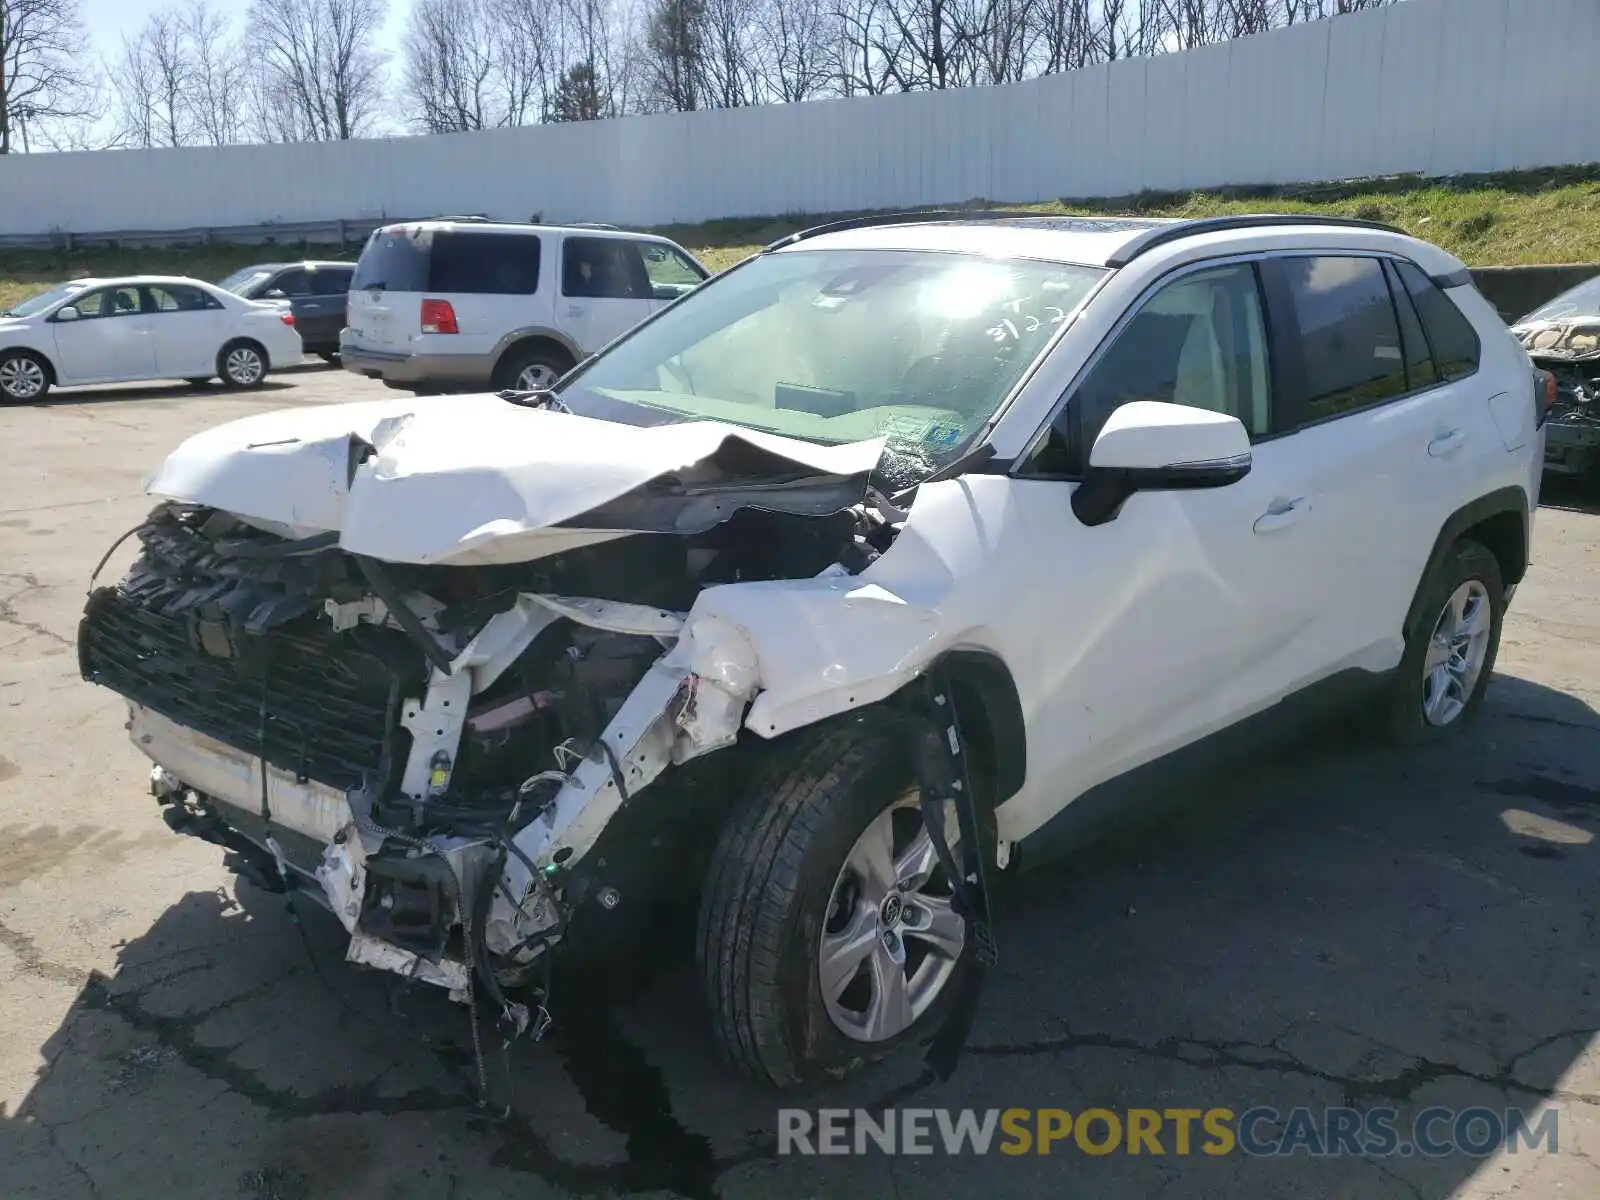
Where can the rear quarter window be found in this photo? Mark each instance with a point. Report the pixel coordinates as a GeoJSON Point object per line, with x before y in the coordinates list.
{"type": "Point", "coordinates": [1450, 335]}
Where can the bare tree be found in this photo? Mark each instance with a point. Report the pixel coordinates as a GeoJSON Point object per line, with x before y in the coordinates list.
{"type": "Point", "coordinates": [218, 76]}
{"type": "Point", "coordinates": [792, 45]}
{"type": "Point", "coordinates": [152, 80]}
{"type": "Point", "coordinates": [475, 64]}
{"type": "Point", "coordinates": [43, 82]}
{"type": "Point", "coordinates": [317, 75]}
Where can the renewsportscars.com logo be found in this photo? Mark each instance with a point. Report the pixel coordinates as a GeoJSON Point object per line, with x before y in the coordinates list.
{"type": "Point", "coordinates": [1256, 1132]}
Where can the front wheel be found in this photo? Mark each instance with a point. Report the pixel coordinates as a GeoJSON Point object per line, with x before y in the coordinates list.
{"type": "Point", "coordinates": [23, 377]}
{"type": "Point", "coordinates": [827, 936]}
{"type": "Point", "coordinates": [1449, 657]}
{"type": "Point", "coordinates": [242, 365]}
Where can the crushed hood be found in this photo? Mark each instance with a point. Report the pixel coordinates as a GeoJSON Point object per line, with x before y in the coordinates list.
{"type": "Point", "coordinates": [475, 479]}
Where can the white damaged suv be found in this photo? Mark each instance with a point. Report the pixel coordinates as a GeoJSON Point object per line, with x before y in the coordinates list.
{"type": "Point", "coordinates": [818, 593]}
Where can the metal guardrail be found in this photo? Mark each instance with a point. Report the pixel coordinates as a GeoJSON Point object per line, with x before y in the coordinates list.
{"type": "Point", "coordinates": [321, 233]}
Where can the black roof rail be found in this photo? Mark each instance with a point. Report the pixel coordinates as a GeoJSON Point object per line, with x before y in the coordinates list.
{"type": "Point", "coordinates": [926, 216]}
{"type": "Point", "coordinates": [594, 225]}
{"type": "Point", "coordinates": [1161, 235]}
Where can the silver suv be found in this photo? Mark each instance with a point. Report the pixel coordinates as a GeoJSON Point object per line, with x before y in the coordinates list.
{"type": "Point", "coordinates": [456, 305]}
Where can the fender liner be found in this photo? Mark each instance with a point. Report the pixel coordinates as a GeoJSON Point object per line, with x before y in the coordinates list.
{"type": "Point", "coordinates": [991, 716]}
{"type": "Point", "coordinates": [1502, 518]}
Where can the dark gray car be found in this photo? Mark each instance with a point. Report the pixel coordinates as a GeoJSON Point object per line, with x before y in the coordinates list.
{"type": "Point", "coordinates": [315, 291]}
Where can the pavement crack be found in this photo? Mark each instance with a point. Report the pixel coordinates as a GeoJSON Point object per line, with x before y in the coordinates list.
{"type": "Point", "coordinates": [178, 1034]}
{"type": "Point", "coordinates": [1538, 720]}
{"type": "Point", "coordinates": [8, 610]}
{"type": "Point", "coordinates": [77, 1167]}
{"type": "Point", "coordinates": [1218, 1055]}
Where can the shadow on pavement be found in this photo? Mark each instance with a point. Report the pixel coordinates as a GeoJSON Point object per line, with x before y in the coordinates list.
{"type": "Point", "coordinates": [1344, 926]}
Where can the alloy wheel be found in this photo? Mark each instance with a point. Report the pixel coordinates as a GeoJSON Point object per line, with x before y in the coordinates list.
{"type": "Point", "coordinates": [891, 939]}
{"type": "Point", "coordinates": [21, 378]}
{"type": "Point", "coordinates": [244, 365]}
{"type": "Point", "coordinates": [1457, 651]}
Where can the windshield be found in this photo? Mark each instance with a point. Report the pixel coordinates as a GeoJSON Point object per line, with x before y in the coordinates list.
{"type": "Point", "coordinates": [241, 282]}
{"type": "Point", "coordinates": [1574, 303]}
{"type": "Point", "coordinates": [34, 305]}
{"type": "Point", "coordinates": [839, 346]}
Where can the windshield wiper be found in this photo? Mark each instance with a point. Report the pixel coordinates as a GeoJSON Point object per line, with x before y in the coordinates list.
{"type": "Point", "coordinates": [535, 398]}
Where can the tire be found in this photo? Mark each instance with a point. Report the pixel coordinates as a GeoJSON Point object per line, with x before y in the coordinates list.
{"type": "Point", "coordinates": [233, 364]}
{"type": "Point", "coordinates": [331, 357]}
{"type": "Point", "coordinates": [1429, 703]}
{"type": "Point", "coordinates": [24, 378]}
{"type": "Point", "coordinates": [534, 367]}
{"type": "Point", "coordinates": [780, 881]}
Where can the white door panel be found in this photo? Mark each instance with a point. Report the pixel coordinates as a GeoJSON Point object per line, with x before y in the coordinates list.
{"type": "Point", "coordinates": [186, 343]}
{"type": "Point", "coordinates": [104, 349]}
{"type": "Point", "coordinates": [592, 323]}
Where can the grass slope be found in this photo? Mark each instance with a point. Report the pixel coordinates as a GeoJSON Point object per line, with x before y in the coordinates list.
{"type": "Point", "coordinates": [1548, 216]}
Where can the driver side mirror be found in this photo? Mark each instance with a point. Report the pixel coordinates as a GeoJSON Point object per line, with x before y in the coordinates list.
{"type": "Point", "coordinates": [275, 294]}
{"type": "Point", "coordinates": [68, 313]}
{"type": "Point", "coordinates": [1151, 446]}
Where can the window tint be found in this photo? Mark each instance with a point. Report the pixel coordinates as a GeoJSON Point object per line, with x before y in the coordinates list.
{"type": "Point", "coordinates": [1349, 337]}
{"type": "Point", "coordinates": [175, 298]}
{"type": "Point", "coordinates": [1450, 335]}
{"type": "Point", "coordinates": [394, 260]}
{"type": "Point", "coordinates": [330, 281]}
{"type": "Point", "coordinates": [1420, 369]}
{"type": "Point", "coordinates": [604, 268]}
{"type": "Point", "coordinates": [1200, 341]}
{"type": "Point", "coordinates": [291, 283]}
{"type": "Point", "coordinates": [495, 264]}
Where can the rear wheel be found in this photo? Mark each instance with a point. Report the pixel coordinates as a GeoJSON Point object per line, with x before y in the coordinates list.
{"type": "Point", "coordinates": [242, 365]}
{"type": "Point", "coordinates": [331, 357]}
{"type": "Point", "coordinates": [23, 377]}
{"type": "Point", "coordinates": [827, 936]}
{"type": "Point", "coordinates": [1450, 656]}
{"type": "Point", "coordinates": [532, 369]}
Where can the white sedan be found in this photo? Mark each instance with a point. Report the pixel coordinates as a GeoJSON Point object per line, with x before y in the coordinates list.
{"type": "Point", "coordinates": [137, 328]}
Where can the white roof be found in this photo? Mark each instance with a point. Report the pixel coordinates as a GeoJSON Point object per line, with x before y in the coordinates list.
{"type": "Point", "coordinates": [135, 280]}
{"type": "Point", "coordinates": [1099, 241]}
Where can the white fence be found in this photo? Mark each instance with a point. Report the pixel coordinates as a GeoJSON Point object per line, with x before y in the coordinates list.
{"type": "Point", "coordinates": [1433, 86]}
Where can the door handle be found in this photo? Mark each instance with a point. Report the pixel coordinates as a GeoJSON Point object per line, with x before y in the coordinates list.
{"type": "Point", "coordinates": [1282, 514]}
{"type": "Point", "coordinates": [1447, 443]}
{"type": "Point", "coordinates": [575, 310]}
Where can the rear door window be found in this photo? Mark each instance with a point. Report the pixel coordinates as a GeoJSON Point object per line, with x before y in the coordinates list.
{"type": "Point", "coordinates": [495, 264]}
{"type": "Point", "coordinates": [1347, 336]}
{"type": "Point", "coordinates": [330, 281]}
{"type": "Point", "coordinates": [292, 283]}
{"type": "Point", "coordinates": [167, 298]}
{"type": "Point", "coordinates": [1451, 337]}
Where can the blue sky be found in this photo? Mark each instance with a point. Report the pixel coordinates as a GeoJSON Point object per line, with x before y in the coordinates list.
{"type": "Point", "coordinates": [109, 20]}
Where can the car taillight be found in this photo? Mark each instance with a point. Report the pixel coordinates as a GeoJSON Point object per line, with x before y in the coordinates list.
{"type": "Point", "coordinates": [438, 317]}
{"type": "Point", "coordinates": [287, 318]}
{"type": "Point", "coordinates": [1545, 394]}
